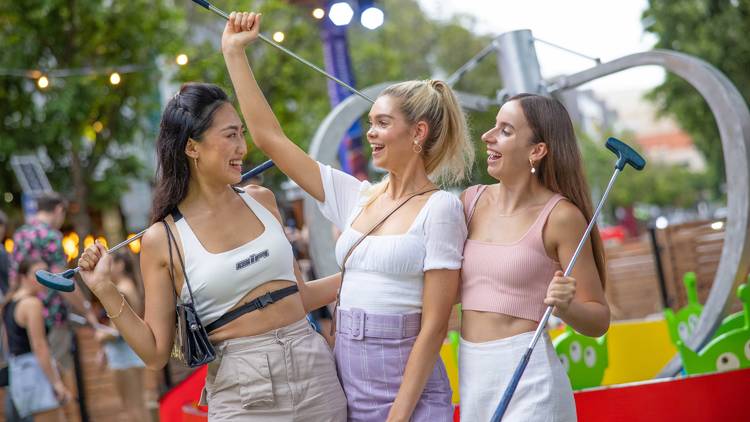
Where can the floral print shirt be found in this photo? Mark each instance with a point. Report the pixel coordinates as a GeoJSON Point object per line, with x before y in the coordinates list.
{"type": "Point", "coordinates": [39, 240]}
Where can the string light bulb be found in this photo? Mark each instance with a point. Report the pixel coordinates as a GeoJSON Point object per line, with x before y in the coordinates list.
{"type": "Point", "coordinates": [42, 82]}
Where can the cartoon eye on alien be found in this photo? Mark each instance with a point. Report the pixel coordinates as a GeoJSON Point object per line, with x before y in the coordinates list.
{"type": "Point", "coordinates": [727, 351]}
{"type": "Point", "coordinates": [584, 358]}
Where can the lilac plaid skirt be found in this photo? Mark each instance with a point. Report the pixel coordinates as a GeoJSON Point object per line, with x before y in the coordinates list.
{"type": "Point", "coordinates": [371, 353]}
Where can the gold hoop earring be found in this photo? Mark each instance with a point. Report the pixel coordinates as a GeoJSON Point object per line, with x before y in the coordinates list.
{"type": "Point", "coordinates": [417, 148]}
{"type": "Point", "coordinates": [531, 162]}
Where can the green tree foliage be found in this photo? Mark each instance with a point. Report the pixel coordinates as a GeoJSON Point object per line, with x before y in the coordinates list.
{"type": "Point", "coordinates": [54, 34]}
{"type": "Point", "coordinates": [408, 46]}
{"type": "Point", "coordinates": [297, 94]}
{"type": "Point", "coordinates": [716, 31]}
{"type": "Point", "coordinates": [95, 167]}
{"type": "Point", "coordinates": [658, 184]}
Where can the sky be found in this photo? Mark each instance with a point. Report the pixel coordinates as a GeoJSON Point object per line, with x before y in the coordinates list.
{"type": "Point", "coordinates": [607, 29]}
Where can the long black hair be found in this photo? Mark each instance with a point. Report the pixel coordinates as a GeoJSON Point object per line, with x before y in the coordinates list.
{"type": "Point", "coordinates": [187, 116]}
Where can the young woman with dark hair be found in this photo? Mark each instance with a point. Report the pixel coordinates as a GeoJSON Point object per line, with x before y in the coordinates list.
{"type": "Point", "coordinates": [522, 232]}
{"type": "Point", "coordinates": [36, 389]}
{"type": "Point", "coordinates": [270, 363]}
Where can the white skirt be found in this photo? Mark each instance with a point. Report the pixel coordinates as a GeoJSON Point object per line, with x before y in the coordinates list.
{"type": "Point", "coordinates": [485, 369]}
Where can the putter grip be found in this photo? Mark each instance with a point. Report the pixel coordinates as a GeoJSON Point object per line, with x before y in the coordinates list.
{"type": "Point", "coordinates": [203, 3]}
{"type": "Point", "coordinates": [257, 170]}
{"type": "Point", "coordinates": [625, 155]}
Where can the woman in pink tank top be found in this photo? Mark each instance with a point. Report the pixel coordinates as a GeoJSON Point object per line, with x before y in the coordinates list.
{"type": "Point", "coordinates": [522, 232]}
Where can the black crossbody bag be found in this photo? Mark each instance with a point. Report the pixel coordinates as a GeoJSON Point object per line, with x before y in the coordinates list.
{"type": "Point", "coordinates": [191, 345]}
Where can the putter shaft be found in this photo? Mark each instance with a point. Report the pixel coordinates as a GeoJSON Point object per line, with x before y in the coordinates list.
{"type": "Point", "coordinates": [508, 394]}
{"type": "Point", "coordinates": [224, 15]}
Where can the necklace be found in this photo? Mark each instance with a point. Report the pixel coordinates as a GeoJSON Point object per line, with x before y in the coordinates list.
{"type": "Point", "coordinates": [408, 194]}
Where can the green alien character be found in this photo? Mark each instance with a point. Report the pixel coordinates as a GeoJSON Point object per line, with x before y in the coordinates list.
{"type": "Point", "coordinates": [728, 351]}
{"type": "Point", "coordinates": [682, 323]}
{"type": "Point", "coordinates": [584, 358]}
{"type": "Point", "coordinates": [731, 322]}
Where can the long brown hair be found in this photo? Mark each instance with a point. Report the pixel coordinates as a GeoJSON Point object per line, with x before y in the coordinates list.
{"type": "Point", "coordinates": [561, 170]}
{"type": "Point", "coordinates": [187, 116]}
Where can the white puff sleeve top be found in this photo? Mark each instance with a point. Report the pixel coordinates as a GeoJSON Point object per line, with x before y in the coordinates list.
{"type": "Point", "coordinates": [385, 273]}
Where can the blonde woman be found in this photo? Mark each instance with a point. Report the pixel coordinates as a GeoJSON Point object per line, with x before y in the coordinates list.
{"type": "Point", "coordinates": [402, 279]}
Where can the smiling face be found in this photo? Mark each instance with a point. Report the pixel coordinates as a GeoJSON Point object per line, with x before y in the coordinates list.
{"type": "Point", "coordinates": [391, 136]}
{"type": "Point", "coordinates": [222, 147]}
{"type": "Point", "coordinates": [509, 145]}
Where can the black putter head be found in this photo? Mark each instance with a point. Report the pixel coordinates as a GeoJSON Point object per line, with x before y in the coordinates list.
{"type": "Point", "coordinates": [62, 282]}
{"type": "Point", "coordinates": [625, 155]}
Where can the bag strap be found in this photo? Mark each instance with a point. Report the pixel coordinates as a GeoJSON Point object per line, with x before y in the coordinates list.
{"type": "Point", "coordinates": [171, 240]}
{"type": "Point", "coordinates": [367, 233]}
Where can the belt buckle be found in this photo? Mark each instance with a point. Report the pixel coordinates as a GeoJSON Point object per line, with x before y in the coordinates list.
{"type": "Point", "coordinates": [264, 300]}
{"type": "Point", "coordinates": [357, 326]}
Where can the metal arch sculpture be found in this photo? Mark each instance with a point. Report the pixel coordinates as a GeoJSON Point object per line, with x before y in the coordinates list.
{"type": "Point", "coordinates": [733, 120]}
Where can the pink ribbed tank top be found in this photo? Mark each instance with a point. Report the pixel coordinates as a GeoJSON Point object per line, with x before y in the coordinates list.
{"type": "Point", "coordinates": [507, 278]}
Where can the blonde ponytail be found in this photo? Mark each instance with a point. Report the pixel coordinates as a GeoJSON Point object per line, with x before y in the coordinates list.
{"type": "Point", "coordinates": [447, 150]}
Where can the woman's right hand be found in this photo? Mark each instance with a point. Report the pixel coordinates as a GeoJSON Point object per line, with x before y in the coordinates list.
{"type": "Point", "coordinates": [61, 392]}
{"type": "Point", "coordinates": [96, 267]}
{"type": "Point", "coordinates": [241, 29]}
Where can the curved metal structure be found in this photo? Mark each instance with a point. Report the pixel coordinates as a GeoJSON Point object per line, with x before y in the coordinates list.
{"type": "Point", "coordinates": [732, 118]}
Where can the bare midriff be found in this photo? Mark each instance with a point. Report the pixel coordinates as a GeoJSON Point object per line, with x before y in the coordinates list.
{"type": "Point", "coordinates": [276, 315]}
{"type": "Point", "coordinates": [479, 326]}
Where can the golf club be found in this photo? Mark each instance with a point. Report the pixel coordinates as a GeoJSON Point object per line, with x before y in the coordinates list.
{"type": "Point", "coordinates": [625, 156]}
{"type": "Point", "coordinates": [64, 281]}
{"type": "Point", "coordinates": [223, 14]}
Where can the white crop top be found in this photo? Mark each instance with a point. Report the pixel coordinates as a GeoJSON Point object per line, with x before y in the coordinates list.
{"type": "Point", "coordinates": [220, 280]}
{"type": "Point", "coordinates": [385, 273]}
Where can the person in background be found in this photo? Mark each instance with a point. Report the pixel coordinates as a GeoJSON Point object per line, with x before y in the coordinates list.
{"type": "Point", "coordinates": [127, 367]}
{"type": "Point", "coordinates": [36, 389]}
{"type": "Point", "coordinates": [4, 259]}
{"type": "Point", "coordinates": [41, 239]}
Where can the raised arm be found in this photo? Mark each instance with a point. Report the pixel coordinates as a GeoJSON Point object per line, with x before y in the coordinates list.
{"type": "Point", "coordinates": [267, 134]}
{"type": "Point", "coordinates": [152, 336]}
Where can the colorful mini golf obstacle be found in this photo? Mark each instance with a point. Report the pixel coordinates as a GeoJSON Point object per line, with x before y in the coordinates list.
{"type": "Point", "coordinates": [728, 351]}
{"type": "Point", "coordinates": [683, 322]}
{"type": "Point", "coordinates": [584, 358]}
